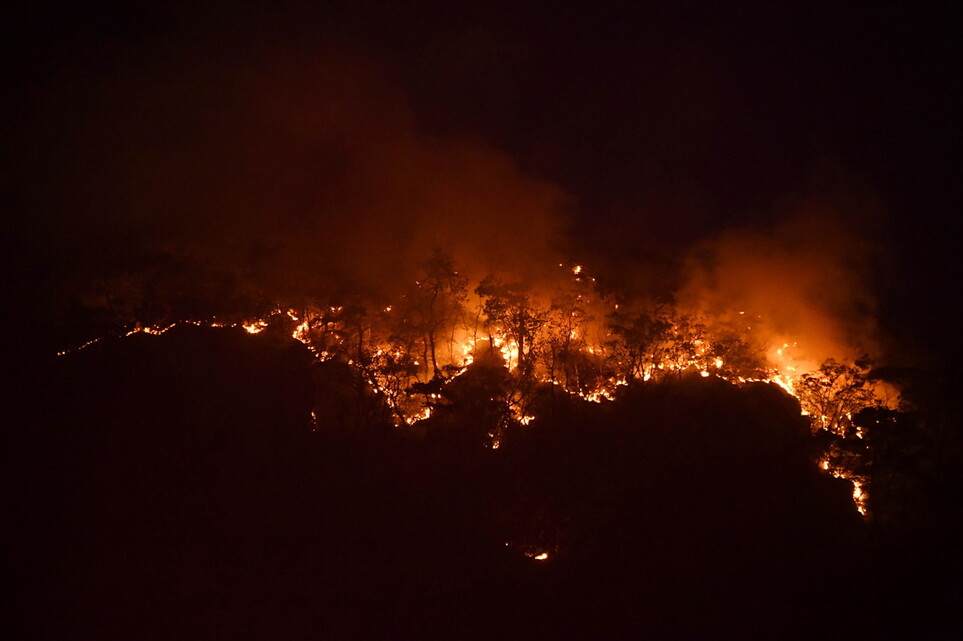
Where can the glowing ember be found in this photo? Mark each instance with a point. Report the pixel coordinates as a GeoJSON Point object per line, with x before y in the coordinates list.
{"type": "Point", "coordinates": [859, 496]}
{"type": "Point", "coordinates": [255, 327]}
{"type": "Point", "coordinates": [575, 339]}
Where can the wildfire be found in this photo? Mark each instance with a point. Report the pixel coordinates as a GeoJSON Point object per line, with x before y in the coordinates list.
{"type": "Point", "coordinates": [859, 496]}
{"type": "Point", "coordinates": [424, 414]}
{"type": "Point", "coordinates": [534, 552]}
{"type": "Point", "coordinates": [509, 348]}
{"type": "Point", "coordinates": [255, 327]}
{"type": "Point", "coordinates": [576, 340]}
{"type": "Point", "coordinates": [154, 331]}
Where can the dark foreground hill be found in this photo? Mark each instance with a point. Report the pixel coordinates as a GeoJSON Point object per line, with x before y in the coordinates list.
{"type": "Point", "coordinates": [177, 487]}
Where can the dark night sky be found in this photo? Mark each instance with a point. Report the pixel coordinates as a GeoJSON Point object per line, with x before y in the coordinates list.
{"type": "Point", "coordinates": [661, 125]}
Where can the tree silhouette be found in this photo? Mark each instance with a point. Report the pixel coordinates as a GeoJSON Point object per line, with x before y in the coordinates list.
{"type": "Point", "coordinates": [834, 393]}
{"type": "Point", "coordinates": [510, 309]}
{"type": "Point", "coordinates": [434, 308]}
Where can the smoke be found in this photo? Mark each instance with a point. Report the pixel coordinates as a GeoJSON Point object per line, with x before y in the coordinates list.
{"type": "Point", "coordinates": [288, 174]}
{"type": "Point", "coordinates": [801, 282]}
{"type": "Point", "coordinates": [300, 175]}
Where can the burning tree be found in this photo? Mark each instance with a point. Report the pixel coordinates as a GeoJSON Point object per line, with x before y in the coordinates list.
{"type": "Point", "coordinates": [834, 393]}
{"type": "Point", "coordinates": [433, 310]}
{"type": "Point", "coordinates": [566, 353]}
{"type": "Point", "coordinates": [513, 319]}
{"type": "Point", "coordinates": [636, 337]}
{"type": "Point", "coordinates": [733, 357]}
{"type": "Point", "coordinates": [421, 355]}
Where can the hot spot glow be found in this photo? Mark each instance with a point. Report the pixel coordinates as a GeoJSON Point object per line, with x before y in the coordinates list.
{"type": "Point", "coordinates": [574, 339]}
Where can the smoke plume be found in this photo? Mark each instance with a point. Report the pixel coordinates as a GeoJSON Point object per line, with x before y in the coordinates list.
{"type": "Point", "coordinates": [800, 282]}
{"type": "Point", "coordinates": [286, 174]}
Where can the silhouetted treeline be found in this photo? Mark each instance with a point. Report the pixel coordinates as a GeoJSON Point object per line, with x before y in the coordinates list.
{"type": "Point", "coordinates": [178, 487]}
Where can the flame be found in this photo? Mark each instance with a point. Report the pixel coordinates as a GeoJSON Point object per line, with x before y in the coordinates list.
{"type": "Point", "coordinates": [681, 343]}
{"type": "Point", "coordinates": [859, 496]}
{"type": "Point", "coordinates": [859, 493]}
{"type": "Point", "coordinates": [420, 416]}
{"type": "Point", "coordinates": [509, 348]}
{"type": "Point", "coordinates": [254, 327]}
